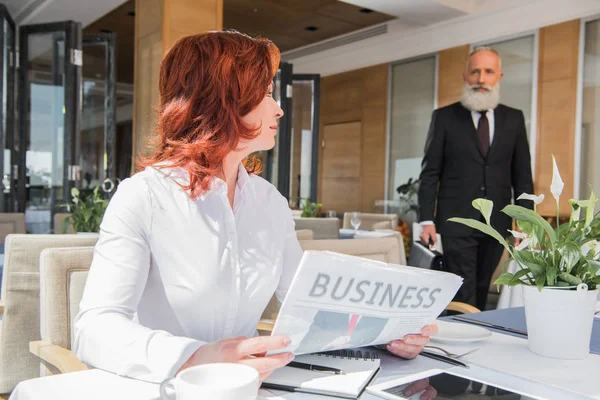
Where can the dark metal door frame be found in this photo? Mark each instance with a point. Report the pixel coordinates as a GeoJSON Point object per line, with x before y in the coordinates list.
{"type": "Point", "coordinates": [110, 97]}
{"type": "Point", "coordinates": [314, 167]}
{"type": "Point", "coordinates": [72, 102]}
{"type": "Point", "coordinates": [7, 137]}
{"type": "Point", "coordinates": [285, 130]}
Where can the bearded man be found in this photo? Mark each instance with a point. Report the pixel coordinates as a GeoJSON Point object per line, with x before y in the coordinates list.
{"type": "Point", "coordinates": [475, 148]}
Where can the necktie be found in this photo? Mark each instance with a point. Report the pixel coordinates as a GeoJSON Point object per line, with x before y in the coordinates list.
{"type": "Point", "coordinates": [352, 323]}
{"type": "Point", "coordinates": [483, 131]}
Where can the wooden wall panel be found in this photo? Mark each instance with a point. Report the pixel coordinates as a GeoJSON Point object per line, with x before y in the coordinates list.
{"type": "Point", "coordinates": [451, 65]}
{"type": "Point", "coordinates": [158, 24]}
{"type": "Point", "coordinates": [356, 96]}
{"type": "Point", "coordinates": [557, 99]}
{"type": "Point", "coordinates": [341, 158]}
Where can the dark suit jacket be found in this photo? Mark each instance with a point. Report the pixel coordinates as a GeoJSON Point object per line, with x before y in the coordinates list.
{"type": "Point", "coordinates": [454, 171]}
{"type": "Point", "coordinates": [329, 325]}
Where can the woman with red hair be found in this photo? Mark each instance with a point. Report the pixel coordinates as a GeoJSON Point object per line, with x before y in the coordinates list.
{"type": "Point", "coordinates": [193, 246]}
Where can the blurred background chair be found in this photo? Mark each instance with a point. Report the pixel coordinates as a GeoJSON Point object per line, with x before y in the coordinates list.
{"type": "Point", "coordinates": [58, 220]}
{"type": "Point", "coordinates": [305, 234]}
{"type": "Point", "coordinates": [21, 302]}
{"type": "Point", "coordinates": [63, 272]}
{"type": "Point", "coordinates": [11, 223]}
{"type": "Point", "coordinates": [367, 220]}
{"type": "Point", "coordinates": [323, 228]}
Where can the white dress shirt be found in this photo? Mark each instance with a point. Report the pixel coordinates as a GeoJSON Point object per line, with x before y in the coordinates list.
{"type": "Point", "coordinates": [475, 115]}
{"type": "Point", "coordinates": [170, 274]}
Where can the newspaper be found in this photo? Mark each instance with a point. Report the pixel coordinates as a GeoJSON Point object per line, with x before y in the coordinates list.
{"type": "Point", "coordinates": [338, 301]}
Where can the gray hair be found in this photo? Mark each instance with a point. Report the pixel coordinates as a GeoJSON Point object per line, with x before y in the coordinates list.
{"type": "Point", "coordinates": [483, 48]}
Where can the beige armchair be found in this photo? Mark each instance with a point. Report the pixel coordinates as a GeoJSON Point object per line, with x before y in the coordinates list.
{"type": "Point", "coordinates": [11, 223]}
{"type": "Point", "coordinates": [58, 220]}
{"type": "Point", "coordinates": [367, 221]}
{"type": "Point", "coordinates": [323, 228]}
{"type": "Point", "coordinates": [21, 305]}
{"type": "Point", "coordinates": [63, 272]}
{"type": "Point", "coordinates": [305, 234]}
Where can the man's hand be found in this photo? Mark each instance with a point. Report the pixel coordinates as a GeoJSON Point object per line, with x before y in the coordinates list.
{"type": "Point", "coordinates": [428, 232]}
{"type": "Point", "coordinates": [244, 351]}
{"type": "Point", "coordinates": [417, 386]}
{"type": "Point", "coordinates": [411, 345]}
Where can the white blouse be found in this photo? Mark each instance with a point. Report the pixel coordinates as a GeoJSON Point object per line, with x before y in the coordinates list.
{"type": "Point", "coordinates": [170, 273]}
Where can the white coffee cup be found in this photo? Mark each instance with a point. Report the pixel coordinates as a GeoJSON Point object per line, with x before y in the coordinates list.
{"type": "Point", "coordinates": [221, 381]}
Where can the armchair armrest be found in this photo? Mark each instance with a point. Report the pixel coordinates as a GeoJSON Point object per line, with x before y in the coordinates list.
{"type": "Point", "coordinates": [64, 360]}
{"type": "Point", "coordinates": [462, 307]}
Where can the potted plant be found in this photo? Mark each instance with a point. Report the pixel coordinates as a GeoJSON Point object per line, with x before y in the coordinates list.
{"type": "Point", "coordinates": [558, 268]}
{"type": "Point", "coordinates": [87, 211]}
{"type": "Point", "coordinates": [310, 209]}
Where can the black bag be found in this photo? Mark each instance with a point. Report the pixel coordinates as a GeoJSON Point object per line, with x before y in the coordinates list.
{"type": "Point", "coordinates": [425, 257]}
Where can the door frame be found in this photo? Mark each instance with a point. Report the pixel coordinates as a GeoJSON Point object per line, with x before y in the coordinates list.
{"type": "Point", "coordinates": [108, 39]}
{"type": "Point", "coordinates": [7, 136]}
{"type": "Point", "coordinates": [72, 104]}
{"type": "Point", "coordinates": [316, 115]}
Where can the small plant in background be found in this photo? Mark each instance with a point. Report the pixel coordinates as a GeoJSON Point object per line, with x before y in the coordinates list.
{"type": "Point", "coordinates": [87, 211]}
{"type": "Point", "coordinates": [309, 209]}
{"type": "Point", "coordinates": [404, 229]}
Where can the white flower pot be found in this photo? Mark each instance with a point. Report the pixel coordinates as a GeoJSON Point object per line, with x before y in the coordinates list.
{"type": "Point", "coordinates": [559, 321]}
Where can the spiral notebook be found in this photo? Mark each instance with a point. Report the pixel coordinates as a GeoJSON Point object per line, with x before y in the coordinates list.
{"type": "Point", "coordinates": [359, 367]}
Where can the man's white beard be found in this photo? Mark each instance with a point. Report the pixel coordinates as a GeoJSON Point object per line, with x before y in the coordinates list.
{"type": "Point", "coordinates": [474, 100]}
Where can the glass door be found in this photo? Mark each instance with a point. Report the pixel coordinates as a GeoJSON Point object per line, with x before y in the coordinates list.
{"type": "Point", "coordinates": [304, 139]}
{"type": "Point", "coordinates": [7, 111]}
{"type": "Point", "coordinates": [50, 61]}
{"type": "Point", "coordinates": [276, 161]}
{"type": "Point", "coordinates": [98, 124]}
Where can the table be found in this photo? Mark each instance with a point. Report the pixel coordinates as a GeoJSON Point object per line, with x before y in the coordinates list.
{"type": "Point", "coordinates": [501, 359]}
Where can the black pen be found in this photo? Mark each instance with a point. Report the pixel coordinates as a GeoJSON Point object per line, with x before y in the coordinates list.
{"type": "Point", "coordinates": [313, 367]}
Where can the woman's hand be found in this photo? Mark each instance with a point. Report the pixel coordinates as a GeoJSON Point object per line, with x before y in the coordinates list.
{"type": "Point", "coordinates": [244, 351]}
{"type": "Point", "coordinates": [411, 345]}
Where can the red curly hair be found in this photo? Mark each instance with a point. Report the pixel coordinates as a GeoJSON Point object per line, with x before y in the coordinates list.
{"type": "Point", "coordinates": [208, 82]}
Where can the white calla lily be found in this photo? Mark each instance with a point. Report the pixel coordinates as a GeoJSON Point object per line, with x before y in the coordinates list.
{"type": "Point", "coordinates": [557, 185]}
{"type": "Point", "coordinates": [524, 243]}
{"type": "Point", "coordinates": [519, 235]}
{"type": "Point", "coordinates": [536, 199]}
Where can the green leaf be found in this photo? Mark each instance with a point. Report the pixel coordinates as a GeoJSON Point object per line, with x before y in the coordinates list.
{"type": "Point", "coordinates": [480, 226]}
{"type": "Point", "coordinates": [570, 279]}
{"type": "Point", "coordinates": [504, 279]}
{"type": "Point", "coordinates": [551, 276]}
{"type": "Point", "coordinates": [525, 227]}
{"type": "Point", "coordinates": [571, 253]}
{"type": "Point", "coordinates": [521, 213]}
{"type": "Point", "coordinates": [65, 224]}
{"type": "Point", "coordinates": [516, 279]}
{"type": "Point", "coordinates": [594, 266]}
{"type": "Point", "coordinates": [525, 258]}
{"type": "Point", "coordinates": [485, 207]}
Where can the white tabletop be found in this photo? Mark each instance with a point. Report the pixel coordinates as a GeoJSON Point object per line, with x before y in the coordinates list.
{"type": "Point", "coordinates": [502, 360]}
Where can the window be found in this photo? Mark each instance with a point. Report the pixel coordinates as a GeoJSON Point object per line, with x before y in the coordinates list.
{"type": "Point", "coordinates": [590, 113]}
{"type": "Point", "coordinates": [412, 101]}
